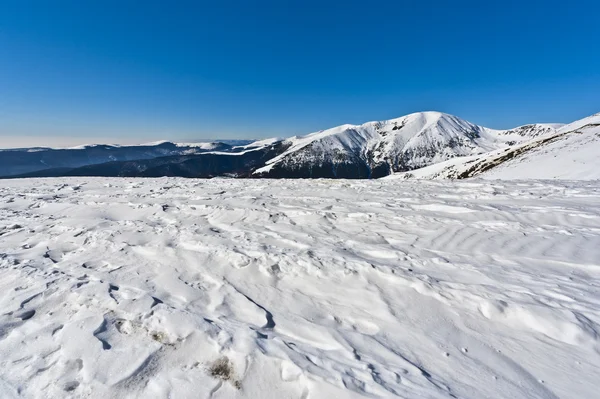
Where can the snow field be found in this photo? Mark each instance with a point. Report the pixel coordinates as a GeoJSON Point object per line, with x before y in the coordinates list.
{"type": "Point", "coordinates": [138, 288]}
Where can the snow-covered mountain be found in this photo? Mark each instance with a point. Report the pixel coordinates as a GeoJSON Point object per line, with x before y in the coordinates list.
{"type": "Point", "coordinates": [422, 145]}
{"type": "Point", "coordinates": [570, 152]}
{"type": "Point", "coordinates": [376, 149]}
{"type": "Point", "coordinates": [574, 155]}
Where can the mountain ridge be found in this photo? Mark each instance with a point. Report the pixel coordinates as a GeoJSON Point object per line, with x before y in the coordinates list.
{"type": "Point", "coordinates": [374, 149]}
{"type": "Point", "coordinates": [409, 142]}
{"type": "Point", "coordinates": [571, 152]}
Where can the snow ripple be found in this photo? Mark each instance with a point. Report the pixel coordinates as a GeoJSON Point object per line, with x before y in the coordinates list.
{"type": "Point", "coordinates": [305, 289]}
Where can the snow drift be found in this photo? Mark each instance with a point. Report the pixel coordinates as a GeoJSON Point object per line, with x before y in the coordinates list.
{"type": "Point", "coordinates": [231, 288]}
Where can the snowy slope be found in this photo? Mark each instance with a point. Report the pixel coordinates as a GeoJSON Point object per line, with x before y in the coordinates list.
{"type": "Point", "coordinates": [569, 152]}
{"type": "Point", "coordinates": [574, 156]}
{"type": "Point", "coordinates": [405, 143]}
{"type": "Point", "coordinates": [527, 132]}
{"type": "Point", "coordinates": [222, 288]}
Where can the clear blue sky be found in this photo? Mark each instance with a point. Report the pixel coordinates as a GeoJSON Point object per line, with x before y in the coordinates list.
{"type": "Point", "coordinates": [251, 69]}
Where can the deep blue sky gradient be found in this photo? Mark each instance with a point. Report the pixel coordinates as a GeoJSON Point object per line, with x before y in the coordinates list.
{"type": "Point", "coordinates": [186, 70]}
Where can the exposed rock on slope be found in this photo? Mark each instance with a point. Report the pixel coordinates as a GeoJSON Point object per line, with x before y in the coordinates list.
{"type": "Point", "coordinates": [376, 149]}
{"type": "Point", "coordinates": [571, 152]}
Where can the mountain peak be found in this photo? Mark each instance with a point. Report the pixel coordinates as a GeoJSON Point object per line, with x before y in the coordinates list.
{"type": "Point", "coordinates": [378, 148]}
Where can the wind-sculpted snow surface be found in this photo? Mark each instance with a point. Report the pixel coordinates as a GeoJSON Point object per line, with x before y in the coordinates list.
{"type": "Point", "coordinates": [174, 288]}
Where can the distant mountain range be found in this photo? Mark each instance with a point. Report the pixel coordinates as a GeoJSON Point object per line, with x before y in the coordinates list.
{"type": "Point", "coordinates": [420, 145]}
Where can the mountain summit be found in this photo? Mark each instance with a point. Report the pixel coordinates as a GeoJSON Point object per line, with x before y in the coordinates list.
{"type": "Point", "coordinates": [376, 149]}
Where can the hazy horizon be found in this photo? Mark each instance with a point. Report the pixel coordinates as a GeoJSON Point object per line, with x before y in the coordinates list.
{"type": "Point", "coordinates": [16, 142]}
{"type": "Point", "coordinates": [63, 141]}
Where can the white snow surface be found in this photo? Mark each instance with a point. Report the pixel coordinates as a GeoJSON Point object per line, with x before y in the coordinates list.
{"type": "Point", "coordinates": [175, 288]}
{"type": "Point", "coordinates": [574, 156]}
